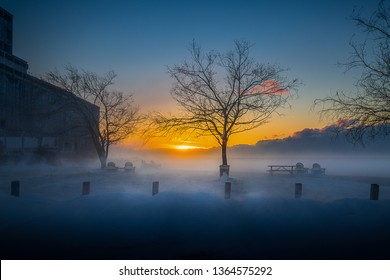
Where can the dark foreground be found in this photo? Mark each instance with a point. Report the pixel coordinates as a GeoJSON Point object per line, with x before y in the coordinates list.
{"type": "Point", "coordinates": [194, 226]}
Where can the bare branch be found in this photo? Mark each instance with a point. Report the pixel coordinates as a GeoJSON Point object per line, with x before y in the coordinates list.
{"type": "Point", "coordinates": [245, 98]}
{"type": "Point", "coordinates": [117, 117]}
{"type": "Point", "coordinates": [365, 112]}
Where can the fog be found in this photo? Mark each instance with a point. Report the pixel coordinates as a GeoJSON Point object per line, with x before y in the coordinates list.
{"type": "Point", "coordinates": [190, 218]}
{"type": "Point", "coordinates": [350, 163]}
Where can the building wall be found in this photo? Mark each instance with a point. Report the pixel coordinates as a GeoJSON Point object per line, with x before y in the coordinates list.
{"type": "Point", "coordinates": [5, 31]}
{"type": "Point", "coordinates": [36, 116]}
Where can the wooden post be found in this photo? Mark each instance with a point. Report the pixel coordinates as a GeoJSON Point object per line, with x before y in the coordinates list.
{"type": "Point", "coordinates": [155, 188]}
{"type": "Point", "coordinates": [374, 192]}
{"type": "Point", "coordinates": [15, 188]}
{"type": "Point", "coordinates": [298, 190]}
{"type": "Point", "coordinates": [86, 188]}
{"type": "Point", "coordinates": [228, 189]}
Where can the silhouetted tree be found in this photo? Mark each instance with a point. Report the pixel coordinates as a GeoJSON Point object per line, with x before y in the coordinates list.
{"type": "Point", "coordinates": [222, 94]}
{"type": "Point", "coordinates": [116, 118]}
{"type": "Point", "coordinates": [365, 112]}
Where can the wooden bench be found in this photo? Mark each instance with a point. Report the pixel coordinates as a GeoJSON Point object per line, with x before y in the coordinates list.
{"type": "Point", "coordinates": [296, 169]}
{"type": "Point", "coordinates": [281, 168]}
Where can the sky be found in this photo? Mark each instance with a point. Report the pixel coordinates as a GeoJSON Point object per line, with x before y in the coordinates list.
{"type": "Point", "coordinates": [139, 39]}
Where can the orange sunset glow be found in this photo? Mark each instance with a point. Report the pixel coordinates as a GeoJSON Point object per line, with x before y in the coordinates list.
{"type": "Point", "coordinates": [278, 127]}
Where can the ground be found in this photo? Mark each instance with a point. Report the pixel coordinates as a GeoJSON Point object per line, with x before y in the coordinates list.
{"type": "Point", "coordinates": [190, 218]}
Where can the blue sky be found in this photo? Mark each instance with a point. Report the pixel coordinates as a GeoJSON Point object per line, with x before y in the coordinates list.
{"type": "Point", "coordinates": [138, 39]}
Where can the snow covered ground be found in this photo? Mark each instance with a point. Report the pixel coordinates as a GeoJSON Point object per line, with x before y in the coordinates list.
{"type": "Point", "coordinates": [189, 217]}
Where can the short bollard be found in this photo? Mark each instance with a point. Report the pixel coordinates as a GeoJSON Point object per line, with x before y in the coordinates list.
{"type": "Point", "coordinates": [374, 192]}
{"type": "Point", "coordinates": [15, 188]}
{"type": "Point", "coordinates": [86, 188]}
{"type": "Point", "coordinates": [298, 190]}
{"type": "Point", "coordinates": [228, 189]}
{"type": "Point", "coordinates": [155, 188]}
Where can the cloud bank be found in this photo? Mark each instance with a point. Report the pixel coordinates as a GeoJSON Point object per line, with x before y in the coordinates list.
{"type": "Point", "coordinates": [314, 140]}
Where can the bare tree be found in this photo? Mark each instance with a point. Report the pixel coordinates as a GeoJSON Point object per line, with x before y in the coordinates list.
{"type": "Point", "coordinates": [365, 112]}
{"type": "Point", "coordinates": [241, 97]}
{"type": "Point", "coordinates": [116, 118]}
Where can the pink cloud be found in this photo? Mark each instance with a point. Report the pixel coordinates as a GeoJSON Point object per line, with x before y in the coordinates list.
{"type": "Point", "coordinates": [269, 87]}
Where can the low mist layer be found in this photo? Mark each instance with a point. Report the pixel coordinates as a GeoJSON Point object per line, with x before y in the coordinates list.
{"type": "Point", "coordinates": [189, 218]}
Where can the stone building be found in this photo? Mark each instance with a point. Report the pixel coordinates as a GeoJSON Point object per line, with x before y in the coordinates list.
{"type": "Point", "coordinates": [37, 119]}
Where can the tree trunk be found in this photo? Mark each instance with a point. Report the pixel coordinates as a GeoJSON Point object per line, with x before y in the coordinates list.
{"type": "Point", "coordinates": [101, 153]}
{"type": "Point", "coordinates": [103, 161]}
{"type": "Point", "coordinates": [224, 153]}
{"type": "Point", "coordinates": [224, 168]}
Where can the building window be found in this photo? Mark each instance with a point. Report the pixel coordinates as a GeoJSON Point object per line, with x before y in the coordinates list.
{"type": "Point", "coordinates": [9, 34]}
{"type": "Point", "coordinates": [2, 123]}
{"type": "Point", "coordinates": [67, 147]}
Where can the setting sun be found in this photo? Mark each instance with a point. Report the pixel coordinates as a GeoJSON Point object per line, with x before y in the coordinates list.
{"type": "Point", "coordinates": [186, 147]}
